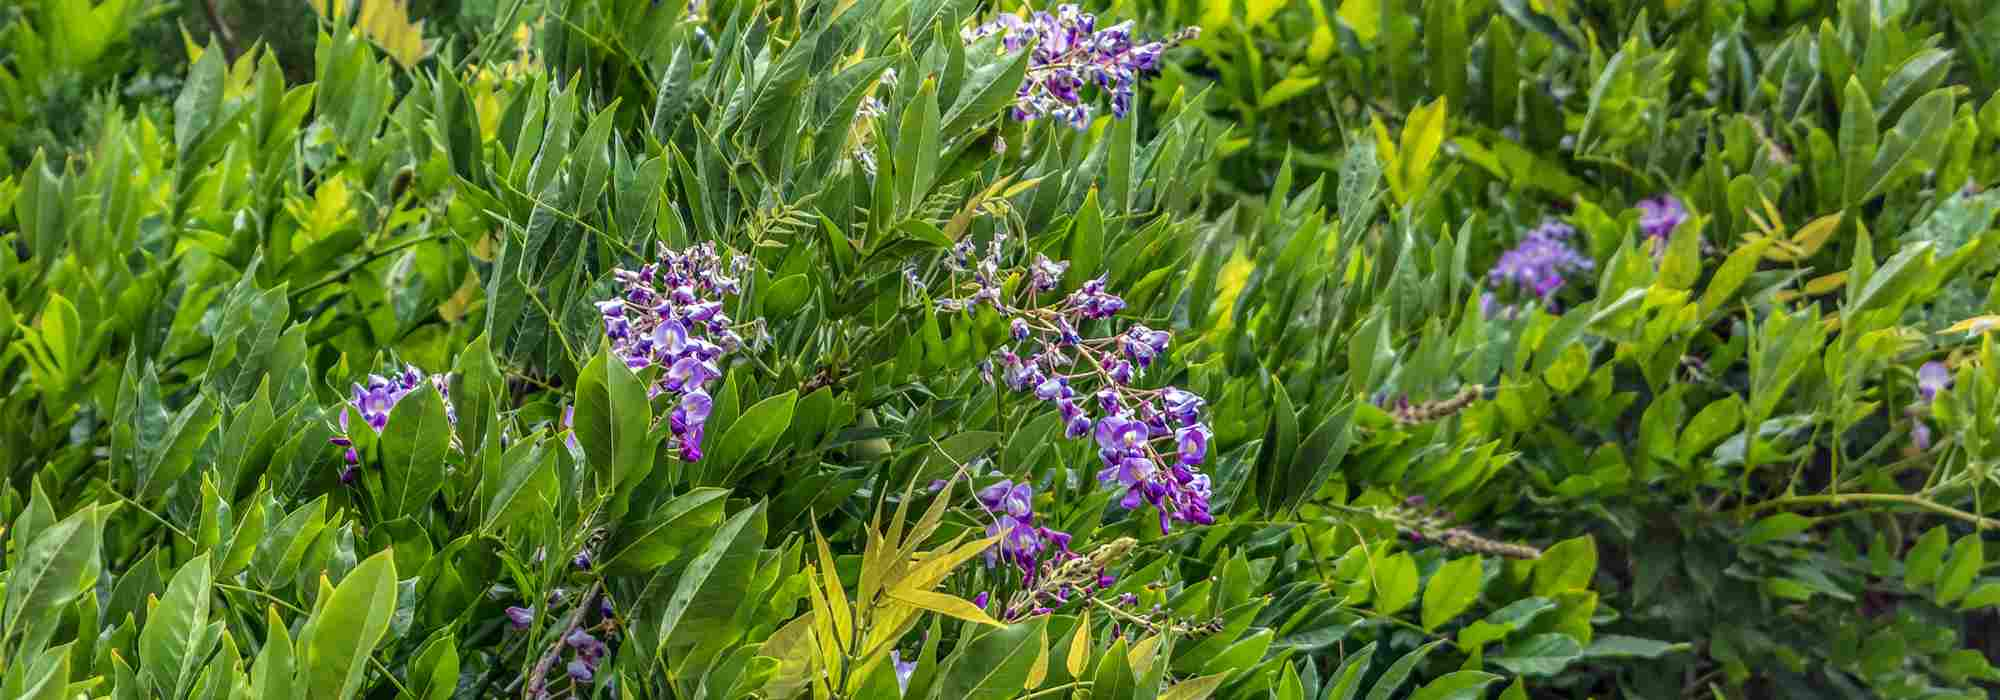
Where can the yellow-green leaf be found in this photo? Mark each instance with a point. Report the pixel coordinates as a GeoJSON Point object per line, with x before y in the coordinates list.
{"type": "Point", "coordinates": [1196, 689]}
{"type": "Point", "coordinates": [944, 604]}
{"type": "Point", "coordinates": [1079, 647]}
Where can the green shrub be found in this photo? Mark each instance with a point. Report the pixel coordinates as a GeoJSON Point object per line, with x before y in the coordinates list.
{"type": "Point", "coordinates": [629, 349]}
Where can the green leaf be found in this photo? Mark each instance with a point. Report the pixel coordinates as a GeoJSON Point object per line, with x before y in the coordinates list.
{"type": "Point", "coordinates": [201, 96]}
{"type": "Point", "coordinates": [989, 90]}
{"type": "Point", "coordinates": [1967, 557]}
{"type": "Point", "coordinates": [752, 434]}
{"type": "Point", "coordinates": [434, 673]}
{"type": "Point", "coordinates": [1274, 454]}
{"type": "Point", "coordinates": [414, 446]}
{"type": "Point", "coordinates": [1395, 584]}
{"type": "Point", "coordinates": [272, 676]}
{"type": "Point", "coordinates": [710, 588]}
{"type": "Point", "coordinates": [520, 481]}
{"type": "Point", "coordinates": [59, 564]}
{"type": "Point", "coordinates": [1452, 589]}
{"type": "Point", "coordinates": [1566, 566]}
{"type": "Point", "coordinates": [667, 534]}
{"type": "Point", "coordinates": [1114, 678]}
{"type": "Point", "coordinates": [1858, 136]}
{"type": "Point", "coordinates": [1544, 654]}
{"type": "Point", "coordinates": [1347, 679]}
{"type": "Point", "coordinates": [346, 628]}
{"type": "Point", "coordinates": [1504, 621]}
{"type": "Point", "coordinates": [1392, 679]}
{"type": "Point", "coordinates": [1320, 456]}
{"type": "Point", "coordinates": [1618, 646]}
{"type": "Point", "coordinates": [613, 423]}
{"type": "Point", "coordinates": [481, 390]}
{"type": "Point", "coordinates": [1457, 685]}
{"type": "Point", "coordinates": [1776, 527]}
{"type": "Point", "coordinates": [1985, 596]}
{"type": "Point", "coordinates": [995, 665]}
{"type": "Point", "coordinates": [171, 645]}
{"type": "Point", "coordinates": [1715, 423]}
{"type": "Point", "coordinates": [1921, 566]}
{"type": "Point", "coordinates": [917, 147]}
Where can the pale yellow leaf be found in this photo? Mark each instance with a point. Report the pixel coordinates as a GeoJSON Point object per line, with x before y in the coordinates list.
{"type": "Point", "coordinates": [1974, 326]}
{"type": "Point", "coordinates": [944, 604]}
{"type": "Point", "coordinates": [1141, 655]}
{"type": "Point", "coordinates": [1197, 689]}
{"type": "Point", "coordinates": [1039, 671]}
{"type": "Point", "coordinates": [836, 596]}
{"type": "Point", "coordinates": [1813, 237]}
{"type": "Point", "coordinates": [1079, 647]}
{"type": "Point", "coordinates": [1423, 136]}
{"type": "Point", "coordinates": [797, 652]}
{"type": "Point", "coordinates": [940, 563]}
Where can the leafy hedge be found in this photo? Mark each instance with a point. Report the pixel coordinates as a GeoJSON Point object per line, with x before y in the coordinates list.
{"type": "Point", "coordinates": [879, 348]}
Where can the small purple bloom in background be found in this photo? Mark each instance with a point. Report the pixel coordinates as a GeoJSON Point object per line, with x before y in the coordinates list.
{"type": "Point", "coordinates": [520, 617]}
{"type": "Point", "coordinates": [581, 560]}
{"type": "Point", "coordinates": [1659, 216]}
{"type": "Point", "coordinates": [1932, 378]}
{"type": "Point", "coordinates": [904, 669]}
{"type": "Point", "coordinates": [979, 601]}
{"type": "Point", "coordinates": [581, 670]}
{"type": "Point", "coordinates": [1538, 264]}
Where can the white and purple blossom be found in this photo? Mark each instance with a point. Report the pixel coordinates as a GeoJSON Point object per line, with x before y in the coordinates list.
{"type": "Point", "coordinates": [671, 315]}
{"type": "Point", "coordinates": [1070, 53]}
{"type": "Point", "coordinates": [375, 401]}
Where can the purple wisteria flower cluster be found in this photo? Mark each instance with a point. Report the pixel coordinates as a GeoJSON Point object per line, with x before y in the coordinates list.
{"type": "Point", "coordinates": [1021, 540]}
{"type": "Point", "coordinates": [670, 315]}
{"type": "Point", "coordinates": [376, 400]}
{"type": "Point", "coordinates": [1151, 441]}
{"type": "Point", "coordinates": [1071, 53]}
{"type": "Point", "coordinates": [1538, 265]}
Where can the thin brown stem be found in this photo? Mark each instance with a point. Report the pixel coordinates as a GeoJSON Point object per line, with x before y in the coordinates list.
{"type": "Point", "coordinates": [1846, 499]}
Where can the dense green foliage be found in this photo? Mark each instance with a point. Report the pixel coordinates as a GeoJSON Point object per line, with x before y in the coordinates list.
{"type": "Point", "coordinates": [1718, 421]}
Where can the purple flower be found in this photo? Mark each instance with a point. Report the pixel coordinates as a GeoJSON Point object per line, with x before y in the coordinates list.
{"type": "Point", "coordinates": [582, 560]}
{"type": "Point", "coordinates": [1193, 444]}
{"type": "Point", "coordinates": [1046, 273]}
{"type": "Point", "coordinates": [1920, 435]}
{"type": "Point", "coordinates": [1538, 264]}
{"type": "Point", "coordinates": [520, 617]}
{"type": "Point", "coordinates": [587, 647]}
{"type": "Point", "coordinates": [688, 420]}
{"type": "Point", "coordinates": [568, 424]}
{"type": "Point", "coordinates": [1932, 378]}
{"type": "Point", "coordinates": [580, 670]}
{"type": "Point", "coordinates": [1070, 53]}
{"type": "Point", "coordinates": [1659, 216]}
{"type": "Point", "coordinates": [903, 670]}
{"type": "Point", "coordinates": [1183, 408]}
{"type": "Point", "coordinates": [979, 601]}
